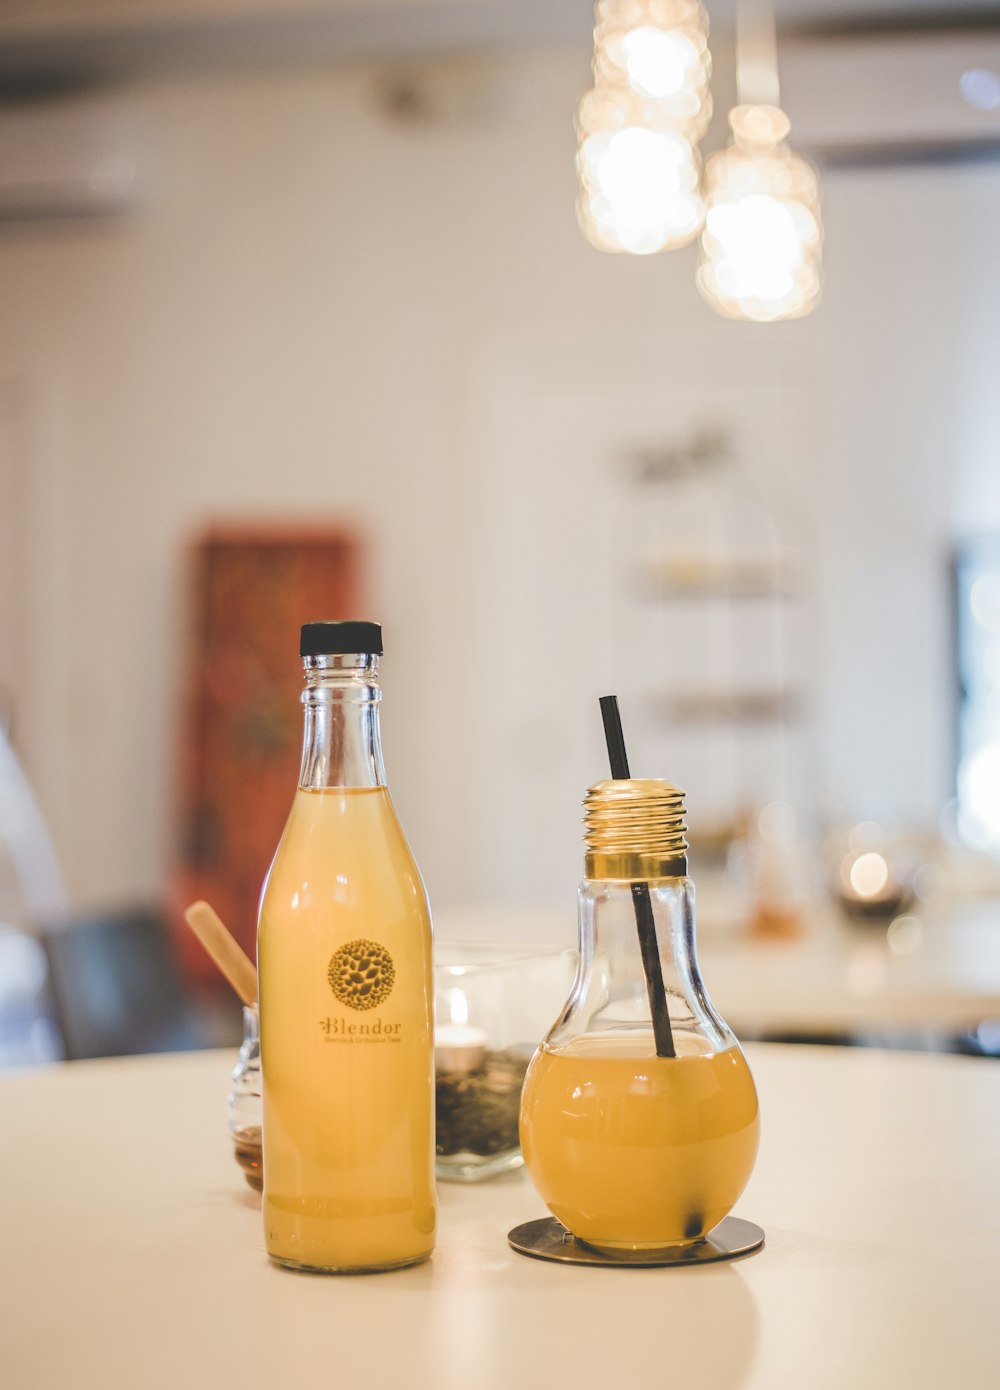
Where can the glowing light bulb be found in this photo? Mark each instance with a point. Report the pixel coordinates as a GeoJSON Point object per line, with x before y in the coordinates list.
{"type": "Point", "coordinates": [657, 49]}
{"type": "Point", "coordinates": [869, 874]}
{"type": "Point", "coordinates": [659, 62]}
{"type": "Point", "coordinates": [639, 126]}
{"type": "Point", "coordinates": [639, 178]}
{"type": "Point", "coordinates": [762, 238]}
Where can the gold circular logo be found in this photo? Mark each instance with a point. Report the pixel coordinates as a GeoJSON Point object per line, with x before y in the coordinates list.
{"type": "Point", "coordinates": [361, 974]}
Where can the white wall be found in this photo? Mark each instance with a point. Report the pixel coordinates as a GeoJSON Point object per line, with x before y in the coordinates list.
{"type": "Point", "coordinates": [314, 314]}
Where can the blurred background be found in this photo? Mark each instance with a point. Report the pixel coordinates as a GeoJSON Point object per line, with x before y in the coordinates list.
{"type": "Point", "coordinates": [297, 321]}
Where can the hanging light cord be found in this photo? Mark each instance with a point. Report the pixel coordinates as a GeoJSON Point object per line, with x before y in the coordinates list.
{"type": "Point", "coordinates": [756, 54]}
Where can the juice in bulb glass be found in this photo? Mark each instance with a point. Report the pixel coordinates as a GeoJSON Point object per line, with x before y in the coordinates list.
{"type": "Point", "coordinates": [628, 1149]}
{"type": "Point", "coordinates": [634, 1151]}
{"type": "Point", "coordinates": [344, 962]}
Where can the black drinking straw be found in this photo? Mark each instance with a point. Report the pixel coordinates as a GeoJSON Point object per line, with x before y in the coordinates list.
{"type": "Point", "coordinates": [645, 925]}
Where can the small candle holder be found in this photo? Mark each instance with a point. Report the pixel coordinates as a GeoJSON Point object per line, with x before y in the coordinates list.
{"type": "Point", "coordinates": [493, 1005]}
{"type": "Point", "coordinates": [244, 1104]}
{"type": "Point", "coordinates": [874, 882]}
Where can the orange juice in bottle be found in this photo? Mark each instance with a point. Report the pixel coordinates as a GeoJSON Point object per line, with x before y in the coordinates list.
{"type": "Point", "coordinates": [344, 963]}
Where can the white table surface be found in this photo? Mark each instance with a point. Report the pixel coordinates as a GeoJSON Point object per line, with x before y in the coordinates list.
{"type": "Point", "coordinates": [131, 1252]}
{"type": "Point", "coordinates": [943, 974]}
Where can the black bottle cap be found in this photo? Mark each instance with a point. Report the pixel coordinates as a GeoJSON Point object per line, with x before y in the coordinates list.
{"type": "Point", "coordinates": [336, 638]}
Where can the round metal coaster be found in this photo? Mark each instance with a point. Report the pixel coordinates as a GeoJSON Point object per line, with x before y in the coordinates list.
{"type": "Point", "coordinates": [548, 1239]}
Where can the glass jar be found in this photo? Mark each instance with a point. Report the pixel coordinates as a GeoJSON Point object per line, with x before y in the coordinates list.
{"type": "Point", "coordinates": [639, 1118]}
{"type": "Point", "coordinates": [244, 1105]}
{"type": "Point", "coordinates": [493, 1004]}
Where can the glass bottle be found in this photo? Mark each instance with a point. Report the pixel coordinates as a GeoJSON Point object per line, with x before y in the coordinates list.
{"type": "Point", "coordinates": [636, 1137]}
{"type": "Point", "coordinates": [344, 964]}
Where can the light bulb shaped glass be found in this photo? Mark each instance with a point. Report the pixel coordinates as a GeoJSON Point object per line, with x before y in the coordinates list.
{"type": "Point", "coordinates": [631, 1150]}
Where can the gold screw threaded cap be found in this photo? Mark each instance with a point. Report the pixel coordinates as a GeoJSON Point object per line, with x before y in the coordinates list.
{"type": "Point", "coordinates": [634, 829]}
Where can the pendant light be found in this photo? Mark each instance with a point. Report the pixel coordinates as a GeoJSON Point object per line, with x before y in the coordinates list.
{"type": "Point", "coordinates": [639, 125]}
{"type": "Point", "coordinates": [761, 247]}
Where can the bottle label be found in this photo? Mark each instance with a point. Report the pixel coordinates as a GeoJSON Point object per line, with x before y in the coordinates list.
{"type": "Point", "coordinates": [361, 974]}
{"type": "Point", "coordinates": [339, 1030]}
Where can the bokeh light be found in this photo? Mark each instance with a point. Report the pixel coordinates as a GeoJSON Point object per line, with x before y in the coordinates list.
{"type": "Point", "coordinates": [639, 125]}
{"type": "Point", "coordinates": [762, 239]}
{"type": "Point", "coordinates": [868, 875]}
{"type": "Point", "coordinates": [979, 797]}
{"type": "Point", "coordinates": [639, 178]}
{"type": "Point", "coordinates": [658, 49]}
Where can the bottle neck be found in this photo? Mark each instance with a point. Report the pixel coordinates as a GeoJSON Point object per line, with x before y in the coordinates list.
{"type": "Point", "coordinates": [611, 992]}
{"type": "Point", "coordinates": [634, 829]}
{"type": "Point", "coordinates": [342, 744]}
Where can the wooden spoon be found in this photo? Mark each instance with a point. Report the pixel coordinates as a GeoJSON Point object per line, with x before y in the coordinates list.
{"type": "Point", "coordinates": [224, 949]}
